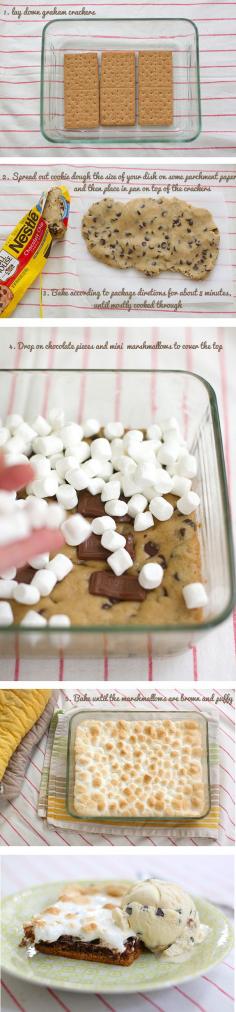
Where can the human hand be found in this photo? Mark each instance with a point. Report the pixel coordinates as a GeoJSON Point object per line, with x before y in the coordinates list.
{"type": "Point", "coordinates": [13, 478]}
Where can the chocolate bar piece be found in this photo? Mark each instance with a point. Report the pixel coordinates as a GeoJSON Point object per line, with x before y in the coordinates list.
{"type": "Point", "coordinates": [117, 588]}
{"type": "Point", "coordinates": [25, 574]}
{"type": "Point", "coordinates": [92, 549]}
{"type": "Point", "coordinates": [92, 506]}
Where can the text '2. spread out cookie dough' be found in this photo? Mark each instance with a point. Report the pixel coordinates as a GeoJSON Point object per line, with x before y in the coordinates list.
{"type": "Point", "coordinates": [152, 236]}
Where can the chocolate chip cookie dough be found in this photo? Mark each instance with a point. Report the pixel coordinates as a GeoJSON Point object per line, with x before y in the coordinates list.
{"type": "Point", "coordinates": [173, 544]}
{"type": "Point", "coordinates": [153, 236]}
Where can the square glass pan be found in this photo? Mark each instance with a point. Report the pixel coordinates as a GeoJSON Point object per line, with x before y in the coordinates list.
{"type": "Point", "coordinates": [148, 716]}
{"type": "Point", "coordinates": [194, 403]}
{"type": "Point", "coordinates": [66, 35]}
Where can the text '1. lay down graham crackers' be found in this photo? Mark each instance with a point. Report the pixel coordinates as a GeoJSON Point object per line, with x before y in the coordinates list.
{"type": "Point", "coordinates": [81, 91]}
{"type": "Point", "coordinates": [155, 89]}
{"type": "Point", "coordinates": [117, 89]}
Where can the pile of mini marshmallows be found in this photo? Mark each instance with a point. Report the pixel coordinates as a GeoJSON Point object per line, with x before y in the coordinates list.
{"type": "Point", "coordinates": [144, 469]}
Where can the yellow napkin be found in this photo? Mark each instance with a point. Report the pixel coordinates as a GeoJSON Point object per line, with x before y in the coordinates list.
{"type": "Point", "coordinates": [19, 710]}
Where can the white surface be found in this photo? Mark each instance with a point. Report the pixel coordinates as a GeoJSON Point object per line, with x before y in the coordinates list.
{"type": "Point", "coordinates": [20, 75]}
{"type": "Point", "coordinates": [75, 283]}
{"type": "Point", "coordinates": [214, 656]}
{"type": "Point", "coordinates": [208, 875]}
{"type": "Point", "coordinates": [19, 822]}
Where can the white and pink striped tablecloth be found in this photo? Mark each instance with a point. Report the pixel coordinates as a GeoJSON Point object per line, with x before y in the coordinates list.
{"type": "Point", "coordinates": [20, 824]}
{"type": "Point", "coordinates": [21, 31]}
{"type": "Point", "coordinates": [74, 285]}
{"type": "Point", "coordinates": [210, 875]}
{"type": "Point", "coordinates": [214, 656]}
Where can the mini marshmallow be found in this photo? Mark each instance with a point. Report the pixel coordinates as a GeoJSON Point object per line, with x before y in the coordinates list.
{"type": "Point", "coordinates": [151, 575]}
{"type": "Point", "coordinates": [112, 541]}
{"type": "Point", "coordinates": [36, 510]}
{"type": "Point", "coordinates": [26, 593]}
{"type": "Point", "coordinates": [9, 532]}
{"type": "Point", "coordinates": [188, 502]}
{"type": "Point", "coordinates": [187, 465]}
{"type": "Point", "coordinates": [39, 561]}
{"type": "Point", "coordinates": [101, 448]}
{"type": "Point", "coordinates": [32, 618]}
{"type": "Point", "coordinates": [131, 486]}
{"type": "Point", "coordinates": [160, 508]}
{"type": "Point", "coordinates": [77, 478]}
{"type": "Point", "coordinates": [44, 487]}
{"type": "Point", "coordinates": [95, 486]}
{"type": "Point", "coordinates": [26, 431]}
{"type": "Point", "coordinates": [60, 565]}
{"type": "Point", "coordinates": [91, 427]}
{"type": "Point", "coordinates": [40, 464]}
{"type": "Point", "coordinates": [111, 490]}
{"type": "Point", "coordinates": [117, 448]}
{"type": "Point", "coordinates": [137, 504]}
{"type": "Point", "coordinates": [56, 418]}
{"type": "Point", "coordinates": [67, 496]}
{"type": "Point", "coordinates": [43, 581]}
{"type": "Point", "coordinates": [163, 482]}
{"type": "Point", "coordinates": [142, 451]}
{"type": "Point", "coordinates": [81, 452]}
{"type": "Point", "coordinates": [15, 458]}
{"type": "Point", "coordinates": [15, 445]}
{"type": "Point", "coordinates": [116, 508]}
{"type": "Point", "coordinates": [134, 435]}
{"type": "Point", "coordinates": [53, 460]}
{"type": "Point", "coordinates": [170, 424]}
{"type": "Point", "coordinates": [7, 502]}
{"type": "Point", "coordinates": [9, 574]}
{"type": "Point", "coordinates": [76, 530]}
{"type": "Point", "coordinates": [7, 588]}
{"type": "Point", "coordinates": [167, 455]}
{"type": "Point", "coordinates": [143, 521]}
{"type": "Point", "coordinates": [64, 464]}
{"type": "Point", "coordinates": [102, 524]}
{"type": "Point", "coordinates": [126, 465]}
{"type": "Point", "coordinates": [113, 430]}
{"type": "Point", "coordinates": [4, 435]}
{"type": "Point", "coordinates": [195, 595]}
{"type": "Point", "coordinates": [120, 561]}
{"type": "Point", "coordinates": [59, 620]}
{"type": "Point", "coordinates": [104, 468]}
{"type": "Point", "coordinates": [90, 468]}
{"type": "Point", "coordinates": [154, 432]}
{"type": "Point", "coordinates": [6, 613]}
{"type": "Point", "coordinates": [12, 422]}
{"type": "Point", "coordinates": [180, 485]}
{"type": "Point", "coordinates": [41, 426]}
{"type": "Point", "coordinates": [55, 516]}
{"type": "Point", "coordinates": [47, 445]}
{"type": "Point", "coordinates": [71, 434]}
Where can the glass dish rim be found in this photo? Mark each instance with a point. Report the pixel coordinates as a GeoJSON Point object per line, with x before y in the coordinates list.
{"type": "Point", "coordinates": [148, 629]}
{"type": "Point", "coordinates": [111, 140]}
{"type": "Point", "coordinates": [139, 819]}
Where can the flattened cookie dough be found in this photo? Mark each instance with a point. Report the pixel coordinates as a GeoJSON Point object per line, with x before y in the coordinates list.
{"type": "Point", "coordinates": [154, 236]}
{"type": "Point", "coordinates": [100, 229]}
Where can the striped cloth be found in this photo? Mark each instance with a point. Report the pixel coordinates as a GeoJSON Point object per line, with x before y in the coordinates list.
{"type": "Point", "coordinates": [210, 875]}
{"type": "Point", "coordinates": [21, 31]}
{"type": "Point", "coordinates": [52, 796]}
{"type": "Point", "coordinates": [71, 280]}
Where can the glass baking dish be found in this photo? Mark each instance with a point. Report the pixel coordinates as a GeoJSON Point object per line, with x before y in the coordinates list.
{"type": "Point", "coordinates": [145, 717]}
{"type": "Point", "coordinates": [128, 395]}
{"type": "Point", "coordinates": [73, 35]}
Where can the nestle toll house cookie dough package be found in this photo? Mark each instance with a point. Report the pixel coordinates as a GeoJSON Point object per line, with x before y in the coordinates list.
{"type": "Point", "coordinates": [25, 252]}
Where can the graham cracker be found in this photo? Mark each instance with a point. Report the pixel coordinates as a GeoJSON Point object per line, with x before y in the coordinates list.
{"type": "Point", "coordinates": [117, 89]}
{"type": "Point", "coordinates": [81, 91]}
{"type": "Point", "coordinates": [155, 88]}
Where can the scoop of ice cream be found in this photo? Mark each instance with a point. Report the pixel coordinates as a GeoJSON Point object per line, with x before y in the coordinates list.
{"type": "Point", "coordinates": [159, 912]}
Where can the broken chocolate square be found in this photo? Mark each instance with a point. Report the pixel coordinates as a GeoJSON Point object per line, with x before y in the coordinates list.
{"type": "Point", "coordinates": [117, 588]}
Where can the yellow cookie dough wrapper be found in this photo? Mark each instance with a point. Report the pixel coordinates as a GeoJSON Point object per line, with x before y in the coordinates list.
{"type": "Point", "coordinates": [25, 252]}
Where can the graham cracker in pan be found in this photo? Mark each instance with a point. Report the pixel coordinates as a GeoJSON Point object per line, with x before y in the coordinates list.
{"type": "Point", "coordinates": [117, 89]}
{"type": "Point", "coordinates": [81, 91]}
{"type": "Point", "coordinates": [155, 88]}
